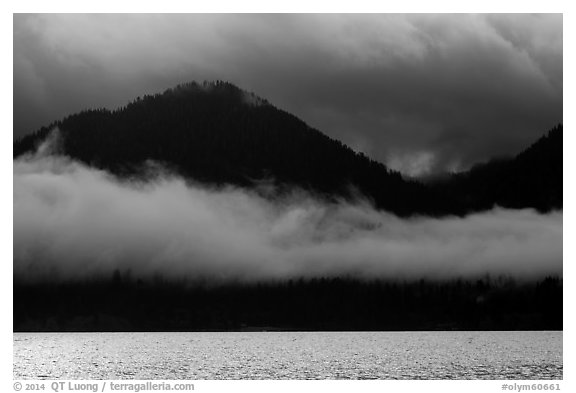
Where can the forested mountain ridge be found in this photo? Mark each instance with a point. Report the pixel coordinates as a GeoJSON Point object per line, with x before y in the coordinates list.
{"type": "Point", "coordinates": [216, 133]}
{"type": "Point", "coordinates": [531, 179]}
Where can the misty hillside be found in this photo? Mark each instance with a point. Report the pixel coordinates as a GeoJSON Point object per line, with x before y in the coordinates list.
{"type": "Point", "coordinates": [217, 134]}
{"type": "Point", "coordinates": [531, 179]}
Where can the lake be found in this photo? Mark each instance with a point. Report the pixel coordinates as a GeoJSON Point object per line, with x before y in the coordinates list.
{"type": "Point", "coordinates": [289, 355]}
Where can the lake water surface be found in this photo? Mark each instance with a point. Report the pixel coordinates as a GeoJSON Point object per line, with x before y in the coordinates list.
{"type": "Point", "coordinates": [289, 355]}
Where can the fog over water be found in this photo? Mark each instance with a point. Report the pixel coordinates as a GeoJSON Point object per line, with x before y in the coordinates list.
{"type": "Point", "coordinates": [74, 221]}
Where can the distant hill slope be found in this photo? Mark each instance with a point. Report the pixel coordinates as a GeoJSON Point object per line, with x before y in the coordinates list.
{"type": "Point", "coordinates": [218, 134]}
{"type": "Point", "coordinates": [531, 179]}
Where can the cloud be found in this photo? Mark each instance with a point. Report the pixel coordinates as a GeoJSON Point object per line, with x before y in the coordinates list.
{"type": "Point", "coordinates": [462, 87]}
{"type": "Point", "coordinates": [74, 222]}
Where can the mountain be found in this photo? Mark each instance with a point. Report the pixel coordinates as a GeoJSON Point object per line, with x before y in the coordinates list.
{"type": "Point", "coordinates": [531, 179]}
{"type": "Point", "coordinates": [217, 134]}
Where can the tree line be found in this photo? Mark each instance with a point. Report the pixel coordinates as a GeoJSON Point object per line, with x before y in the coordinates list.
{"type": "Point", "coordinates": [122, 303]}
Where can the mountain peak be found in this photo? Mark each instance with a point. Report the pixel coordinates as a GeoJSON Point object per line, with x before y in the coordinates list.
{"type": "Point", "coordinates": [216, 88]}
{"type": "Point", "coordinates": [217, 133]}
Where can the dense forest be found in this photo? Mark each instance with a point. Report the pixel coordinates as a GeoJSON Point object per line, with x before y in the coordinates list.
{"type": "Point", "coordinates": [120, 303]}
{"type": "Point", "coordinates": [216, 133]}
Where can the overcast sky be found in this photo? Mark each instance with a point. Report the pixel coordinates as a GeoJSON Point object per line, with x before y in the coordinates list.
{"type": "Point", "coordinates": [421, 93]}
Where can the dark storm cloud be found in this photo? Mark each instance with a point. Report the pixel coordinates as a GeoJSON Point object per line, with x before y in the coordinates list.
{"type": "Point", "coordinates": [419, 92]}
{"type": "Point", "coordinates": [71, 221]}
